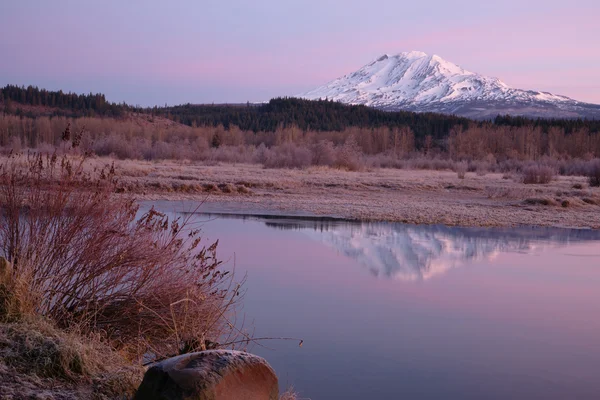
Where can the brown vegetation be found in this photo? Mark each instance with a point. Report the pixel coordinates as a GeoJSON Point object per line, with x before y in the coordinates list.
{"type": "Point", "coordinates": [36, 359]}
{"type": "Point", "coordinates": [461, 169]}
{"type": "Point", "coordinates": [593, 174]}
{"type": "Point", "coordinates": [89, 286]}
{"type": "Point", "coordinates": [486, 148]}
{"type": "Point", "coordinates": [289, 394]}
{"type": "Point", "coordinates": [81, 257]}
{"type": "Point", "coordinates": [538, 174]}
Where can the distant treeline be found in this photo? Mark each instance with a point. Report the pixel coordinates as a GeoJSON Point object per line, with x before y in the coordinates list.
{"type": "Point", "coordinates": [327, 115]}
{"type": "Point", "coordinates": [277, 114]}
{"type": "Point", "coordinates": [57, 103]}
{"type": "Point", "coordinates": [320, 115]}
{"type": "Point", "coordinates": [568, 125]}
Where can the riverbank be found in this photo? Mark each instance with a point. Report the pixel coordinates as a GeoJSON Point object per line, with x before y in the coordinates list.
{"type": "Point", "coordinates": [409, 196]}
{"type": "Point", "coordinates": [80, 258]}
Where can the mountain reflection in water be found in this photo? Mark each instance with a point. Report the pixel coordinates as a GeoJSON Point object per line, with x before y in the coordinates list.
{"type": "Point", "coordinates": [420, 252]}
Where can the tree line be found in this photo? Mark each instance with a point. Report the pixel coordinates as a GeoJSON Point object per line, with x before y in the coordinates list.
{"type": "Point", "coordinates": [319, 115]}
{"type": "Point", "coordinates": [58, 103]}
{"type": "Point", "coordinates": [136, 138]}
{"type": "Point", "coordinates": [277, 114]}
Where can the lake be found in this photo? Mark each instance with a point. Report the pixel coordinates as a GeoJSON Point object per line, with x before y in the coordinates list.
{"type": "Point", "coordinates": [391, 311]}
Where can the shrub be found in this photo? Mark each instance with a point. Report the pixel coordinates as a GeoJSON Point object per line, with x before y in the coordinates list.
{"type": "Point", "coordinates": [232, 154]}
{"type": "Point", "coordinates": [538, 174]}
{"type": "Point", "coordinates": [384, 161]}
{"type": "Point", "coordinates": [323, 153]}
{"type": "Point", "coordinates": [480, 167]}
{"type": "Point", "coordinates": [461, 169]}
{"type": "Point", "coordinates": [593, 173]}
{"type": "Point", "coordinates": [216, 140]}
{"type": "Point", "coordinates": [349, 156]}
{"type": "Point", "coordinates": [287, 155]}
{"type": "Point", "coordinates": [81, 257]}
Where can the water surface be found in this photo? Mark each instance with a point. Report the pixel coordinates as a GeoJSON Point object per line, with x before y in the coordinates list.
{"type": "Point", "coordinates": [390, 311]}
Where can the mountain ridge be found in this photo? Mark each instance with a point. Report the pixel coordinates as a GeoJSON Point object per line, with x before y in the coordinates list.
{"type": "Point", "coordinates": [416, 81]}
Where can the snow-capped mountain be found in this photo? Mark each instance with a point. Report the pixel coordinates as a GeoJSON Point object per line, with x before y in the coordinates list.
{"type": "Point", "coordinates": [416, 81]}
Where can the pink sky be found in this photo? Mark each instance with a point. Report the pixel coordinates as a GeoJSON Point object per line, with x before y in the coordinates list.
{"type": "Point", "coordinates": [146, 52]}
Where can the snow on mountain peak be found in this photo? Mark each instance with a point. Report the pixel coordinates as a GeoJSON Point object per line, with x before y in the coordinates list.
{"type": "Point", "coordinates": [413, 54]}
{"type": "Point", "coordinates": [417, 81]}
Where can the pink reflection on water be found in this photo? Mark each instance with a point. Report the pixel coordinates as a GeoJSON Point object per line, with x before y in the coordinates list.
{"type": "Point", "coordinates": [516, 325]}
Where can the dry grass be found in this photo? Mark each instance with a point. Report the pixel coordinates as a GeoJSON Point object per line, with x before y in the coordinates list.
{"type": "Point", "coordinates": [37, 358]}
{"type": "Point", "coordinates": [81, 257]}
{"type": "Point", "coordinates": [227, 188]}
{"type": "Point", "coordinates": [43, 350]}
{"type": "Point", "coordinates": [290, 394]}
{"type": "Point", "coordinates": [414, 196]}
{"type": "Point", "coordinates": [540, 201]}
{"type": "Point", "coordinates": [243, 189]}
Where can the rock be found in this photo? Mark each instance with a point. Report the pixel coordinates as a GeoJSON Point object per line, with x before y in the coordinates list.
{"type": "Point", "coordinates": [210, 375]}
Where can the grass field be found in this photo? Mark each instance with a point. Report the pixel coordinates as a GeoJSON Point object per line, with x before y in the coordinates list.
{"type": "Point", "coordinates": [411, 196]}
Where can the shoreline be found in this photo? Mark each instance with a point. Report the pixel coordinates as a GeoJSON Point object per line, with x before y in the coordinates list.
{"type": "Point", "coordinates": [215, 210]}
{"type": "Point", "coordinates": [384, 195]}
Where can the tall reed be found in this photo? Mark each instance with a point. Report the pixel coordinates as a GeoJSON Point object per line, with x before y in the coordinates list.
{"type": "Point", "coordinates": [82, 256]}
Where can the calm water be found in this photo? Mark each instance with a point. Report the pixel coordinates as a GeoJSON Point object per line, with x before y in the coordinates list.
{"type": "Point", "coordinates": [391, 311]}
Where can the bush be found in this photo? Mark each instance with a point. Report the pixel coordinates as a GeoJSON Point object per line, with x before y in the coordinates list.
{"type": "Point", "coordinates": [538, 174]}
{"type": "Point", "coordinates": [287, 155]}
{"type": "Point", "coordinates": [593, 173]}
{"type": "Point", "coordinates": [81, 257]}
{"type": "Point", "coordinates": [461, 169]}
{"type": "Point", "coordinates": [384, 161]}
{"type": "Point", "coordinates": [349, 156]}
{"type": "Point", "coordinates": [481, 168]}
{"type": "Point", "coordinates": [323, 153]}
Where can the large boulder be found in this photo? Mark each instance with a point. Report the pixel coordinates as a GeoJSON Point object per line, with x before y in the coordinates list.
{"type": "Point", "coordinates": [210, 375]}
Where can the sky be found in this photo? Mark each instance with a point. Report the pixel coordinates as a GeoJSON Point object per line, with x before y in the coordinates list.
{"type": "Point", "coordinates": [150, 52]}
